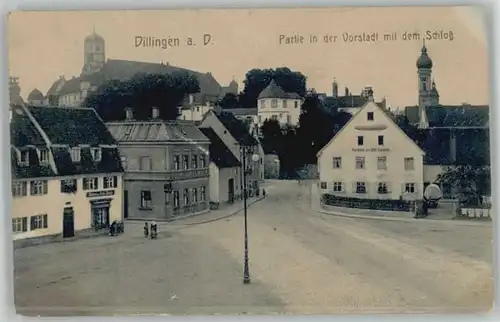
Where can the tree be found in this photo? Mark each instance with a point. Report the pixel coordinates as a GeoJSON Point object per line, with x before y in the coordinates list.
{"type": "Point", "coordinates": [256, 80]}
{"type": "Point", "coordinates": [141, 93]}
{"type": "Point", "coordinates": [229, 101]}
{"type": "Point", "coordinates": [472, 182]}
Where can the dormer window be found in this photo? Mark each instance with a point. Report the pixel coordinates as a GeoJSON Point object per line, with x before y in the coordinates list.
{"type": "Point", "coordinates": [96, 154]}
{"type": "Point", "coordinates": [44, 155]}
{"type": "Point", "coordinates": [75, 154]}
{"type": "Point", "coordinates": [24, 157]}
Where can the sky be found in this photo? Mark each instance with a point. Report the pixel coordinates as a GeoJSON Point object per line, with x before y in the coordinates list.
{"type": "Point", "coordinates": [46, 45]}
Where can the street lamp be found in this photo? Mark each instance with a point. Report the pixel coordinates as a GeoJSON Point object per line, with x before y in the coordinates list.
{"type": "Point", "coordinates": [246, 151]}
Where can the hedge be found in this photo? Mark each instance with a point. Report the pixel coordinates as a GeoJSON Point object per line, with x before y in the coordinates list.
{"type": "Point", "coordinates": [379, 204]}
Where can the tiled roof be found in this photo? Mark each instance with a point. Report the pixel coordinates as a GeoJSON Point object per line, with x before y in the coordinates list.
{"type": "Point", "coordinates": [35, 95]}
{"type": "Point", "coordinates": [274, 91]}
{"type": "Point", "coordinates": [22, 131]}
{"type": "Point", "coordinates": [219, 152]}
{"type": "Point", "coordinates": [155, 131]}
{"type": "Point", "coordinates": [115, 69]}
{"type": "Point", "coordinates": [110, 162]}
{"type": "Point", "coordinates": [72, 126]}
{"type": "Point", "coordinates": [452, 115]}
{"type": "Point", "coordinates": [242, 111]}
{"type": "Point", "coordinates": [472, 146]}
{"type": "Point", "coordinates": [53, 90]}
{"type": "Point", "coordinates": [237, 128]}
{"type": "Point", "coordinates": [34, 170]}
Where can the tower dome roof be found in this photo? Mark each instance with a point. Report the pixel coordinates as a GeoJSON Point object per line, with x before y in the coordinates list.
{"type": "Point", "coordinates": [94, 37]}
{"type": "Point", "coordinates": [233, 82]}
{"type": "Point", "coordinates": [424, 61]}
{"type": "Point", "coordinates": [35, 95]}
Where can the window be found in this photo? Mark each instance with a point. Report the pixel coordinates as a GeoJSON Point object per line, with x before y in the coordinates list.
{"type": "Point", "coordinates": [369, 116]}
{"type": "Point", "coordinates": [382, 163]}
{"type": "Point", "coordinates": [409, 164]}
{"type": "Point", "coordinates": [202, 193]}
{"type": "Point", "coordinates": [380, 140]}
{"type": "Point", "coordinates": [203, 161]}
{"type": "Point", "coordinates": [19, 189]}
{"type": "Point", "coordinates": [96, 154]}
{"type": "Point", "coordinates": [19, 225]}
{"type": "Point", "coordinates": [90, 183]}
{"type": "Point", "coordinates": [176, 199]}
{"type": "Point", "coordinates": [38, 222]}
{"type": "Point", "coordinates": [38, 187]}
{"type": "Point", "coordinates": [263, 104]}
{"type": "Point", "coordinates": [146, 202]}
{"type": "Point", "coordinates": [145, 163]}
{"type": "Point", "coordinates": [197, 109]}
{"type": "Point", "coordinates": [337, 162]}
{"type": "Point", "coordinates": [274, 102]}
{"type": "Point", "coordinates": [284, 103]}
{"type": "Point", "coordinates": [382, 188]}
{"type": "Point", "coordinates": [410, 187]}
{"type": "Point", "coordinates": [186, 197]}
{"type": "Point", "coordinates": [75, 154]}
{"type": "Point", "coordinates": [194, 193]}
{"type": "Point", "coordinates": [323, 185]}
{"type": "Point", "coordinates": [195, 161]}
{"type": "Point", "coordinates": [24, 157]}
{"type": "Point", "coordinates": [360, 187]}
{"type": "Point", "coordinates": [360, 162]}
{"type": "Point", "coordinates": [296, 104]}
{"type": "Point", "coordinates": [110, 182]}
{"type": "Point", "coordinates": [44, 156]}
{"type": "Point", "coordinates": [68, 186]}
{"type": "Point", "coordinates": [337, 187]}
{"type": "Point", "coordinates": [360, 140]}
{"type": "Point", "coordinates": [177, 162]}
{"type": "Point", "coordinates": [289, 119]}
{"type": "Point", "coordinates": [185, 162]}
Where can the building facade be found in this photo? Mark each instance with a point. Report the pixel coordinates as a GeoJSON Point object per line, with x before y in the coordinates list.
{"type": "Point", "coordinates": [235, 135]}
{"type": "Point", "coordinates": [372, 158]}
{"type": "Point", "coordinates": [67, 176]}
{"type": "Point", "coordinates": [225, 171]}
{"type": "Point", "coordinates": [166, 167]}
{"type": "Point", "coordinates": [273, 103]}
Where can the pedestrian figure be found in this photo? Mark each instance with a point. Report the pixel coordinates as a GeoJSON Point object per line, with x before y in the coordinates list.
{"type": "Point", "coordinates": [154, 230]}
{"type": "Point", "coordinates": [146, 230]}
{"type": "Point", "coordinates": [112, 228]}
{"type": "Point", "coordinates": [264, 192]}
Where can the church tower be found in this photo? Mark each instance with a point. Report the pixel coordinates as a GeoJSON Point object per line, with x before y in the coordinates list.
{"type": "Point", "coordinates": [94, 53]}
{"type": "Point", "coordinates": [427, 92]}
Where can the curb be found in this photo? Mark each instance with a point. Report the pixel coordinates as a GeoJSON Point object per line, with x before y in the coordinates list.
{"type": "Point", "coordinates": [453, 222]}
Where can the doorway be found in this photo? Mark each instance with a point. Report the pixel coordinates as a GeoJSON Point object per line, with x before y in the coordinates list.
{"type": "Point", "coordinates": [230, 190]}
{"type": "Point", "coordinates": [100, 217]}
{"type": "Point", "coordinates": [125, 204]}
{"type": "Point", "coordinates": [68, 222]}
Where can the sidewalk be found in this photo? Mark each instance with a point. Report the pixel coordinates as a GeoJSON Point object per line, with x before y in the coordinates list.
{"type": "Point", "coordinates": [225, 211]}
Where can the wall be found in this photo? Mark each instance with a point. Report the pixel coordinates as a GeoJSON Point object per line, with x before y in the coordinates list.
{"type": "Point", "coordinates": [214, 182]}
{"type": "Point", "coordinates": [224, 175]}
{"type": "Point", "coordinates": [194, 113]}
{"type": "Point", "coordinates": [396, 147]}
{"type": "Point", "coordinates": [54, 202]}
{"type": "Point", "coordinates": [290, 109]}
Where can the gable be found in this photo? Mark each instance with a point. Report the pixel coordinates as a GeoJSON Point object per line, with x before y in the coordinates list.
{"type": "Point", "coordinates": [359, 125]}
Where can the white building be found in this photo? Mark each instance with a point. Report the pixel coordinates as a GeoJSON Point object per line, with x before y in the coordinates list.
{"type": "Point", "coordinates": [276, 104]}
{"type": "Point", "coordinates": [225, 180]}
{"type": "Point", "coordinates": [66, 179]}
{"type": "Point", "coordinates": [372, 158]}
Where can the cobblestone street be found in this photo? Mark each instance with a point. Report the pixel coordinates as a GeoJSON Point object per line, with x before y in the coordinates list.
{"type": "Point", "coordinates": [300, 262]}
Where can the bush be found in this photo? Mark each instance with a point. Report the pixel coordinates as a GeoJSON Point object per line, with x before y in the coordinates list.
{"type": "Point", "coordinates": [379, 204]}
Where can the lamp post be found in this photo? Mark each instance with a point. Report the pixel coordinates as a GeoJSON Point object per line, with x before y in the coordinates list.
{"type": "Point", "coordinates": [245, 151]}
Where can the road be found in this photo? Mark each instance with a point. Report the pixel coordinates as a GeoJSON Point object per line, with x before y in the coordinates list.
{"type": "Point", "coordinates": [301, 262]}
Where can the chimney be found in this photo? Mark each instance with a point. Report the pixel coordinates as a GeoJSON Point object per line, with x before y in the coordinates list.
{"type": "Point", "coordinates": [155, 113]}
{"type": "Point", "coordinates": [129, 115]}
{"type": "Point", "coordinates": [346, 91]}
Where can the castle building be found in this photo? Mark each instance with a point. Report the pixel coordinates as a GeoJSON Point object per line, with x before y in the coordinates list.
{"type": "Point", "coordinates": [97, 70]}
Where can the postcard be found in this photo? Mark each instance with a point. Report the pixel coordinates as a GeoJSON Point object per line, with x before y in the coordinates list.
{"type": "Point", "coordinates": [251, 161]}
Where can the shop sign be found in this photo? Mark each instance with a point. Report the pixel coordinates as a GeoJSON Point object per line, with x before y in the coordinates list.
{"type": "Point", "coordinates": [371, 150]}
{"type": "Point", "coordinates": [104, 193]}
